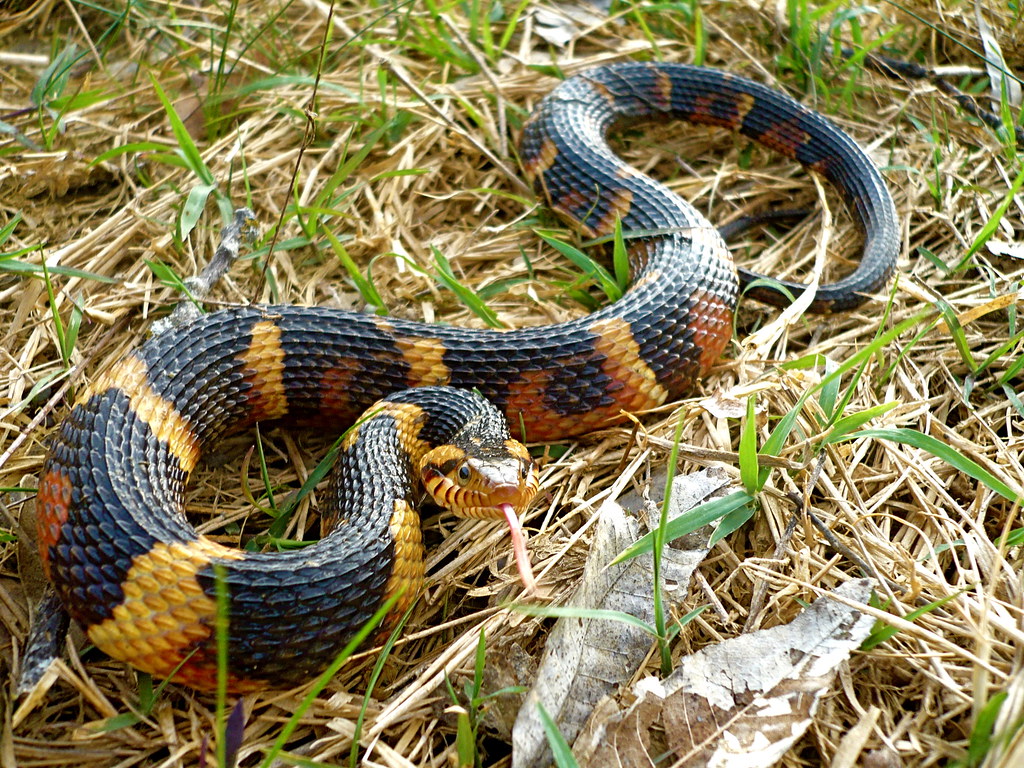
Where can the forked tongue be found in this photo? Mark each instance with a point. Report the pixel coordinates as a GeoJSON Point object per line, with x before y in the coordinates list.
{"type": "Point", "coordinates": [519, 547]}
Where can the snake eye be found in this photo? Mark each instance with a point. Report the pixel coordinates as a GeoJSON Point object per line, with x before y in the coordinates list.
{"type": "Point", "coordinates": [464, 473]}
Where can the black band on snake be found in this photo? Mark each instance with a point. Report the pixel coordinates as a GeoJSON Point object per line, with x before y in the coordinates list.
{"type": "Point", "coordinates": [112, 532]}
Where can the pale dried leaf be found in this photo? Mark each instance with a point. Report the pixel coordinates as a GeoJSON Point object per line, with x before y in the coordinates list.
{"type": "Point", "coordinates": [555, 28]}
{"type": "Point", "coordinates": [742, 702]}
{"type": "Point", "coordinates": [1003, 248]}
{"type": "Point", "coordinates": [586, 659]}
{"type": "Point", "coordinates": [723, 406]}
{"type": "Point", "coordinates": [730, 404]}
{"type": "Point", "coordinates": [561, 23]}
{"type": "Point", "coordinates": [996, 66]}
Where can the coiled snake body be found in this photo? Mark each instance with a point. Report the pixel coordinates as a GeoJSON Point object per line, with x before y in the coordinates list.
{"type": "Point", "coordinates": [113, 536]}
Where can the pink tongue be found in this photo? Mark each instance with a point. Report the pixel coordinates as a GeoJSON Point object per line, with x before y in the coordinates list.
{"type": "Point", "coordinates": [519, 547]}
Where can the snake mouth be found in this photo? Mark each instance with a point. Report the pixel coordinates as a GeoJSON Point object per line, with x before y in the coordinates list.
{"type": "Point", "coordinates": [519, 547]}
{"type": "Point", "coordinates": [443, 489]}
{"type": "Point", "coordinates": [485, 483]}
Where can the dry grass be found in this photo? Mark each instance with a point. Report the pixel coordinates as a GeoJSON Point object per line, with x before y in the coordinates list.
{"type": "Point", "coordinates": [928, 529]}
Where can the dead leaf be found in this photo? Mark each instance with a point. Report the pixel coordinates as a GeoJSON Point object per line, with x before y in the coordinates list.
{"type": "Point", "coordinates": [560, 23]}
{"type": "Point", "coordinates": [554, 28]}
{"type": "Point", "coordinates": [586, 659]}
{"type": "Point", "coordinates": [730, 404]}
{"type": "Point", "coordinates": [507, 667]}
{"type": "Point", "coordinates": [1003, 248]}
{"type": "Point", "coordinates": [743, 702]}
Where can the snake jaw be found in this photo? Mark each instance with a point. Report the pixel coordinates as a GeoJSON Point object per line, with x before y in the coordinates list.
{"type": "Point", "coordinates": [497, 483]}
{"type": "Point", "coordinates": [475, 480]}
{"type": "Point", "coordinates": [512, 486]}
{"type": "Point", "coordinates": [509, 481]}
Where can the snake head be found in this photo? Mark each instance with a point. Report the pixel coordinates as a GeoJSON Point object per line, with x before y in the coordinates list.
{"type": "Point", "coordinates": [485, 479]}
{"type": "Point", "coordinates": [477, 478]}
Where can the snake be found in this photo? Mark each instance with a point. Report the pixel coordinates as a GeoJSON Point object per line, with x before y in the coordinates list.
{"type": "Point", "coordinates": [431, 403]}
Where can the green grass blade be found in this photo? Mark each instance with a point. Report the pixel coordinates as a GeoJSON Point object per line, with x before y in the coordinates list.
{"type": "Point", "coordinates": [749, 473]}
{"type": "Point", "coordinates": [465, 741]}
{"type": "Point", "coordinates": [956, 333]}
{"type": "Point", "coordinates": [268, 486]}
{"type": "Point", "coordinates": [55, 76]}
{"type": "Point", "coordinates": [688, 522]}
{"type": "Point", "coordinates": [620, 257]}
{"type": "Point", "coordinates": [221, 628]}
{"type": "Point", "coordinates": [658, 542]}
{"type": "Point", "coordinates": [446, 277]}
{"type": "Point", "coordinates": [847, 424]}
{"type": "Point", "coordinates": [559, 746]}
{"type": "Point", "coordinates": [171, 279]}
{"type": "Point", "coordinates": [733, 521]}
{"type": "Point", "coordinates": [851, 387]}
{"type": "Point", "coordinates": [188, 149]}
{"type": "Point", "coordinates": [511, 25]}
{"type": "Point", "coordinates": [829, 395]}
{"type": "Point", "coordinates": [366, 288]}
{"type": "Point", "coordinates": [883, 631]}
{"type": "Point", "coordinates": [371, 683]}
{"type": "Point", "coordinates": [590, 267]}
{"type": "Point", "coordinates": [778, 437]}
{"type": "Point", "coordinates": [678, 625]}
{"type": "Point", "coordinates": [700, 37]}
{"type": "Point", "coordinates": [17, 267]}
{"type": "Point", "coordinates": [58, 324]}
{"type": "Point", "coordinates": [320, 471]}
{"type": "Point", "coordinates": [193, 160]}
{"type": "Point", "coordinates": [8, 229]}
{"type": "Point", "coordinates": [992, 224]}
{"type": "Point", "coordinates": [194, 206]}
{"type": "Point", "coordinates": [980, 742]}
{"type": "Point", "coordinates": [942, 451]}
{"type": "Point", "coordinates": [127, 149]}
